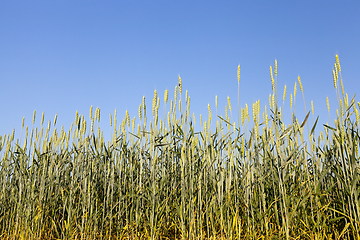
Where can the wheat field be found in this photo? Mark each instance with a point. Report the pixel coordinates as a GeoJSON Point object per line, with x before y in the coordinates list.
{"type": "Point", "coordinates": [161, 179]}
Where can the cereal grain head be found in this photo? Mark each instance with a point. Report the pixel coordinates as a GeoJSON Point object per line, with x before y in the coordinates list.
{"type": "Point", "coordinates": [228, 100]}
{"type": "Point", "coordinates": [334, 79]}
{"type": "Point", "coordinates": [180, 85]}
{"type": "Point", "coordinates": [34, 117]}
{"type": "Point", "coordinates": [284, 95]}
{"type": "Point", "coordinates": [327, 104]}
{"type": "Point", "coordinates": [301, 87]}
{"type": "Point", "coordinates": [338, 62]}
{"type": "Point", "coordinates": [166, 96]}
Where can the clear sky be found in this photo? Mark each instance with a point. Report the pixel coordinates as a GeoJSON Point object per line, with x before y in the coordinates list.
{"type": "Point", "coordinates": [64, 56]}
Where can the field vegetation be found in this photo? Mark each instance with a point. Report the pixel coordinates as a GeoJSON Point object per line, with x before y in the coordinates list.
{"type": "Point", "coordinates": [162, 179]}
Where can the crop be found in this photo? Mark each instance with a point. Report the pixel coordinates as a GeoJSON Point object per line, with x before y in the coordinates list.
{"type": "Point", "coordinates": [162, 179]}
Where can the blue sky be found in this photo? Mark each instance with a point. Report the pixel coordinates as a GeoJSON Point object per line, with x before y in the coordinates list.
{"type": "Point", "coordinates": [64, 56]}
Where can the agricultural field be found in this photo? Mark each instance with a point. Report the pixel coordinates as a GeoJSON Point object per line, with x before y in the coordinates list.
{"type": "Point", "coordinates": [163, 179]}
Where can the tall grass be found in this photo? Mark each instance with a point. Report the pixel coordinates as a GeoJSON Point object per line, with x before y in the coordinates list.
{"type": "Point", "coordinates": [163, 180]}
